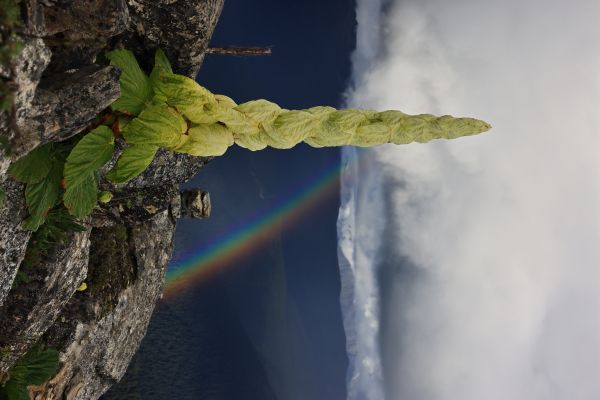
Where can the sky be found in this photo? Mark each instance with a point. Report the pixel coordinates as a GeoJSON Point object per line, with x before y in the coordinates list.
{"type": "Point", "coordinates": [480, 256]}
{"type": "Point", "coordinates": [266, 324]}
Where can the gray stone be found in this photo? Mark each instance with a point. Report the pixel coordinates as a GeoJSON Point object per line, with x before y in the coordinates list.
{"type": "Point", "coordinates": [100, 344]}
{"type": "Point", "coordinates": [28, 69]}
{"type": "Point", "coordinates": [195, 203]}
{"type": "Point", "coordinates": [25, 73]}
{"type": "Point", "coordinates": [13, 239]}
{"type": "Point", "coordinates": [80, 20]}
{"type": "Point", "coordinates": [59, 106]}
{"type": "Point", "coordinates": [167, 168]}
{"type": "Point", "coordinates": [31, 308]}
{"type": "Point", "coordinates": [181, 28]}
{"type": "Point", "coordinates": [34, 23]}
{"type": "Point", "coordinates": [78, 30]}
{"type": "Point", "coordinates": [133, 206]}
{"type": "Point", "coordinates": [67, 103]}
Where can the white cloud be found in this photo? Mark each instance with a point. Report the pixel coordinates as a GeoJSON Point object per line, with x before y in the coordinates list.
{"type": "Point", "coordinates": [504, 228]}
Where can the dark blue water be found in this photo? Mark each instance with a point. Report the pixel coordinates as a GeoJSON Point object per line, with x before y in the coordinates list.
{"type": "Point", "coordinates": [268, 327]}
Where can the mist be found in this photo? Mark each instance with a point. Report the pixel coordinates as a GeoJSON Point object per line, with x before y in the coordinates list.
{"type": "Point", "coordinates": [488, 260]}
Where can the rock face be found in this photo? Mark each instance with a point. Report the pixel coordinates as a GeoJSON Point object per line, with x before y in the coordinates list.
{"type": "Point", "coordinates": [101, 330]}
{"type": "Point", "coordinates": [31, 308]}
{"type": "Point", "coordinates": [159, 24]}
{"type": "Point", "coordinates": [66, 103]}
{"type": "Point", "coordinates": [13, 239]}
{"type": "Point", "coordinates": [78, 30]}
{"type": "Point", "coordinates": [195, 203]}
{"type": "Point", "coordinates": [28, 69]}
{"type": "Point", "coordinates": [63, 84]}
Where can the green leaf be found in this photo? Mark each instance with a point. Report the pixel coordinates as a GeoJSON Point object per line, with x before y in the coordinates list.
{"type": "Point", "coordinates": [34, 166]}
{"type": "Point", "coordinates": [161, 61]}
{"type": "Point", "coordinates": [41, 366]}
{"type": "Point", "coordinates": [42, 196]}
{"type": "Point", "coordinates": [187, 96]}
{"type": "Point", "coordinates": [158, 125]}
{"type": "Point", "coordinates": [161, 66]}
{"type": "Point", "coordinates": [207, 140]}
{"type": "Point", "coordinates": [80, 199]}
{"type": "Point", "coordinates": [91, 153]}
{"type": "Point", "coordinates": [58, 222]}
{"type": "Point", "coordinates": [18, 372]}
{"type": "Point", "coordinates": [2, 197]}
{"type": "Point", "coordinates": [136, 89]}
{"type": "Point", "coordinates": [132, 162]}
{"type": "Point", "coordinates": [35, 368]}
{"type": "Point", "coordinates": [15, 390]}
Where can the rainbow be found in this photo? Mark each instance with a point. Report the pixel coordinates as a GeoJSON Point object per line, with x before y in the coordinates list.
{"type": "Point", "coordinates": [242, 240]}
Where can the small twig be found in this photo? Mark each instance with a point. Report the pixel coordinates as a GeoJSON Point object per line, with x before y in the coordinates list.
{"type": "Point", "coordinates": [240, 51]}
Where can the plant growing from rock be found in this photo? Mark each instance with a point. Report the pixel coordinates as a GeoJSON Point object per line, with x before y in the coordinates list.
{"type": "Point", "coordinates": [35, 368]}
{"type": "Point", "coordinates": [173, 111]}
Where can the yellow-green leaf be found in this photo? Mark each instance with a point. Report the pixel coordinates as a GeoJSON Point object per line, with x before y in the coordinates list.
{"type": "Point", "coordinates": [261, 111]}
{"type": "Point", "coordinates": [161, 61]}
{"type": "Point", "coordinates": [161, 66]}
{"type": "Point", "coordinates": [290, 128]}
{"type": "Point", "coordinates": [225, 101]}
{"type": "Point", "coordinates": [135, 85]}
{"type": "Point", "coordinates": [207, 140]}
{"type": "Point", "coordinates": [105, 196]}
{"type": "Point", "coordinates": [187, 96]}
{"type": "Point", "coordinates": [238, 123]}
{"type": "Point", "coordinates": [158, 125]}
{"type": "Point", "coordinates": [372, 134]}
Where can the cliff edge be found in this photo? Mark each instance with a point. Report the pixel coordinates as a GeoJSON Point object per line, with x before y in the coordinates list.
{"type": "Point", "coordinates": [61, 85]}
